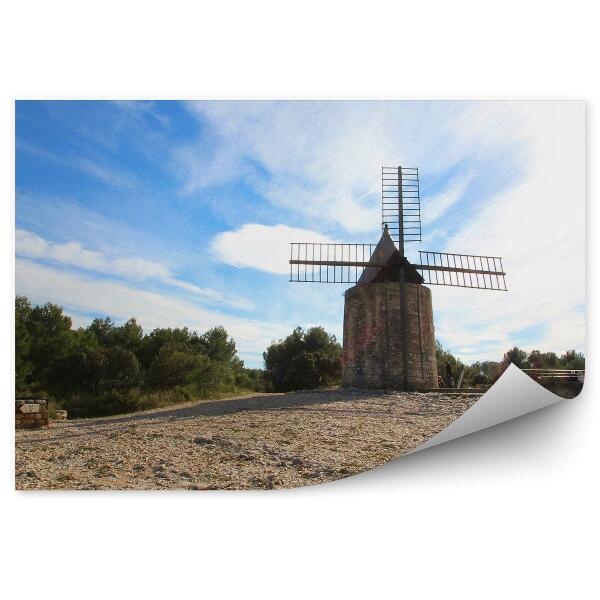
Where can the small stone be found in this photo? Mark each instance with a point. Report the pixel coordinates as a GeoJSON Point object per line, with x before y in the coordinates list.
{"type": "Point", "coordinates": [201, 441]}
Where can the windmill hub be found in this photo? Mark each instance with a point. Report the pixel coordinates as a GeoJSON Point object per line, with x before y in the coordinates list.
{"type": "Point", "coordinates": [389, 337]}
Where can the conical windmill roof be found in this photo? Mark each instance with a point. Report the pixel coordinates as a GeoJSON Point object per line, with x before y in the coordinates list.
{"type": "Point", "coordinates": [387, 254]}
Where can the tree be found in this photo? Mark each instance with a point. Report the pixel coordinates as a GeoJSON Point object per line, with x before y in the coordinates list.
{"type": "Point", "coordinates": [444, 356]}
{"type": "Point", "coordinates": [23, 366]}
{"type": "Point", "coordinates": [250, 379]}
{"type": "Point", "coordinates": [482, 372]}
{"type": "Point", "coordinates": [517, 357]}
{"type": "Point", "coordinates": [151, 344]}
{"type": "Point", "coordinates": [212, 376]}
{"type": "Point", "coordinates": [104, 329]}
{"type": "Point", "coordinates": [549, 360]}
{"type": "Point", "coordinates": [115, 369]}
{"type": "Point", "coordinates": [217, 345]}
{"type": "Point", "coordinates": [74, 373]}
{"type": "Point", "coordinates": [572, 360]}
{"type": "Point", "coordinates": [173, 366]}
{"type": "Point", "coordinates": [303, 360]}
{"type": "Point", "coordinates": [50, 340]}
{"type": "Point", "coordinates": [129, 335]}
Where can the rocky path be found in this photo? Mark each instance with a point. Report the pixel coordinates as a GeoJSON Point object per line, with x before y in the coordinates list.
{"type": "Point", "coordinates": [267, 441]}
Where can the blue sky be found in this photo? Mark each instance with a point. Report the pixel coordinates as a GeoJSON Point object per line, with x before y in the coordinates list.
{"type": "Point", "coordinates": [180, 213]}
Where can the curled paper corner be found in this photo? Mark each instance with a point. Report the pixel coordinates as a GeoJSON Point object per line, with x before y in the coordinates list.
{"type": "Point", "coordinates": [513, 395]}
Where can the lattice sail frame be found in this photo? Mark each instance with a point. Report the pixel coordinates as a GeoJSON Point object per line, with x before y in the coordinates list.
{"type": "Point", "coordinates": [330, 263]}
{"type": "Point", "coordinates": [462, 270]}
{"type": "Point", "coordinates": [345, 263]}
{"type": "Point", "coordinates": [400, 187]}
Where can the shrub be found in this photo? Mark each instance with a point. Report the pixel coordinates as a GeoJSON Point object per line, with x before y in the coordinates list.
{"type": "Point", "coordinates": [173, 366]}
{"type": "Point", "coordinates": [304, 360]}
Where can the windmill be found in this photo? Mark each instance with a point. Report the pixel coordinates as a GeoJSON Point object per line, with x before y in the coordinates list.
{"type": "Point", "coordinates": [389, 336]}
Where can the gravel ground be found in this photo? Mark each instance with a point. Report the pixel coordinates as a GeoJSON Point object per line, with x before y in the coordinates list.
{"type": "Point", "coordinates": [268, 441]}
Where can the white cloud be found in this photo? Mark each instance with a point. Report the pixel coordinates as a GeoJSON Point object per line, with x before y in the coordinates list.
{"type": "Point", "coordinates": [436, 206]}
{"type": "Point", "coordinates": [99, 169]}
{"type": "Point", "coordinates": [138, 268]}
{"type": "Point", "coordinates": [82, 294]}
{"type": "Point", "coordinates": [210, 294]}
{"type": "Point", "coordinates": [538, 227]}
{"type": "Point", "coordinates": [261, 247]}
{"type": "Point", "coordinates": [138, 108]}
{"type": "Point", "coordinates": [323, 158]}
{"type": "Point", "coordinates": [30, 245]}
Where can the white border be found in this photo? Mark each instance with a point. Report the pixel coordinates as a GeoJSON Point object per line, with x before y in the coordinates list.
{"type": "Point", "coordinates": [510, 512]}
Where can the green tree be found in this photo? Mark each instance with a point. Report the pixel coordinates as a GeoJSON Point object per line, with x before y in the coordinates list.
{"type": "Point", "coordinates": [23, 365]}
{"type": "Point", "coordinates": [104, 330]}
{"type": "Point", "coordinates": [50, 341]}
{"type": "Point", "coordinates": [115, 369]}
{"type": "Point", "coordinates": [217, 345]}
{"type": "Point", "coordinates": [173, 366]}
{"type": "Point", "coordinates": [572, 360]}
{"type": "Point", "coordinates": [517, 357]}
{"type": "Point", "coordinates": [484, 372]}
{"type": "Point", "coordinates": [303, 360]}
{"type": "Point", "coordinates": [251, 379]}
{"type": "Point", "coordinates": [74, 373]}
{"type": "Point", "coordinates": [444, 357]}
{"type": "Point", "coordinates": [151, 344]}
{"type": "Point", "coordinates": [129, 335]}
{"type": "Point", "coordinates": [549, 360]}
{"type": "Point", "coordinates": [212, 376]}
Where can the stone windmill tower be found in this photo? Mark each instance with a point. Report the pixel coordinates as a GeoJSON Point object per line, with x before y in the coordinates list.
{"type": "Point", "coordinates": [389, 336]}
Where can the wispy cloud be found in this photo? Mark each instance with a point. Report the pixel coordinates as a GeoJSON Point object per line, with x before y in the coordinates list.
{"type": "Point", "coordinates": [211, 295]}
{"type": "Point", "coordinates": [100, 169]}
{"type": "Point", "coordinates": [80, 293]}
{"type": "Point", "coordinates": [32, 246]}
{"type": "Point", "coordinates": [322, 159]}
{"type": "Point", "coordinates": [543, 249]}
{"type": "Point", "coordinates": [435, 207]}
{"type": "Point", "coordinates": [139, 108]}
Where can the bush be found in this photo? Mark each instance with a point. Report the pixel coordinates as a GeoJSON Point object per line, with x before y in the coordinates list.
{"type": "Point", "coordinates": [103, 404]}
{"type": "Point", "coordinates": [212, 377]}
{"type": "Point", "coordinates": [304, 360]}
{"type": "Point", "coordinates": [172, 366]}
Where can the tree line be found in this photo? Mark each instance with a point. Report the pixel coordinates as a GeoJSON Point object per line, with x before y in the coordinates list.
{"type": "Point", "coordinates": [488, 371]}
{"type": "Point", "coordinates": [105, 368]}
{"type": "Point", "coordinates": [108, 369]}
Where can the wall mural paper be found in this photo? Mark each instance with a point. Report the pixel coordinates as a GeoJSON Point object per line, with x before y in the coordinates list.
{"type": "Point", "coordinates": [261, 295]}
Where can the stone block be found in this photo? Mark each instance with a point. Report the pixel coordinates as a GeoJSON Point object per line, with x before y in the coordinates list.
{"type": "Point", "coordinates": [31, 413]}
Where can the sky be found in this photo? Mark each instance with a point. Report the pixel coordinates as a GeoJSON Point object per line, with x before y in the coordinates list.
{"type": "Point", "coordinates": [181, 213]}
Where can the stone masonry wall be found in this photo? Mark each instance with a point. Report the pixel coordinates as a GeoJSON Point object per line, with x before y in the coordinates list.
{"type": "Point", "coordinates": [373, 355]}
{"type": "Point", "coordinates": [31, 413]}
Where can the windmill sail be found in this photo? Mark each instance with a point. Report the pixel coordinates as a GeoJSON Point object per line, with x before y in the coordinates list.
{"type": "Point", "coordinates": [331, 263]}
{"type": "Point", "coordinates": [349, 263]}
{"type": "Point", "coordinates": [401, 204]}
{"type": "Point", "coordinates": [462, 270]}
